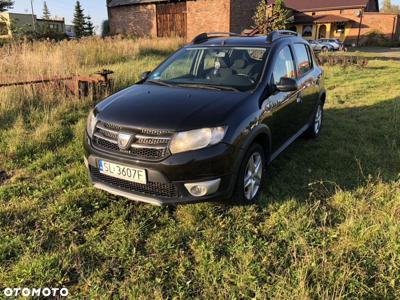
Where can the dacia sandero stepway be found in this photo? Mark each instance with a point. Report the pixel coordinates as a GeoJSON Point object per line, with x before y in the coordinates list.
{"type": "Point", "coordinates": [205, 124]}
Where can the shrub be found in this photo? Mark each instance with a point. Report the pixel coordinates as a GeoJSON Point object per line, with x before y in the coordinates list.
{"type": "Point", "coordinates": [105, 28]}
{"type": "Point", "coordinates": [375, 38]}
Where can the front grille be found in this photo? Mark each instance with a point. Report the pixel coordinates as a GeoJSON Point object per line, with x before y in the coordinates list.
{"type": "Point", "coordinates": [109, 134]}
{"type": "Point", "coordinates": [166, 190]}
{"type": "Point", "coordinates": [148, 144]}
{"type": "Point", "coordinates": [112, 126]}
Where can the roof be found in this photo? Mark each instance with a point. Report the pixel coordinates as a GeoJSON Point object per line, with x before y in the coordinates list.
{"type": "Point", "coordinates": [242, 41]}
{"type": "Point", "coordinates": [50, 20]}
{"type": "Point", "coordinates": [306, 19]}
{"type": "Point", "coordinates": [114, 3]}
{"type": "Point", "coordinates": [315, 5]}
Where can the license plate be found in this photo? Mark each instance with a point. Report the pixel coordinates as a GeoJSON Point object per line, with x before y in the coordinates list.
{"type": "Point", "coordinates": [122, 172]}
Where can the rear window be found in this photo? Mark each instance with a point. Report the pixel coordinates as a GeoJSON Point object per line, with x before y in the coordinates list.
{"type": "Point", "coordinates": [303, 59]}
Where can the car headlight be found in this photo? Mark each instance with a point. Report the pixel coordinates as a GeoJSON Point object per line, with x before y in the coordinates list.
{"type": "Point", "coordinates": [91, 123]}
{"type": "Point", "coordinates": [196, 139]}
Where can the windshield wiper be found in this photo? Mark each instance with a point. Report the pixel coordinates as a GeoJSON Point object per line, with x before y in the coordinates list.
{"type": "Point", "coordinates": [226, 88]}
{"type": "Point", "coordinates": [159, 82]}
{"type": "Point", "coordinates": [209, 87]}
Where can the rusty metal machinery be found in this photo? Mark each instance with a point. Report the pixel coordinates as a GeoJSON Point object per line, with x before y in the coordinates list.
{"type": "Point", "coordinates": [96, 87]}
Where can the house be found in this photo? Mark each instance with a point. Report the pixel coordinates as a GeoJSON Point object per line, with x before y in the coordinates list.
{"type": "Point", "coordinates": [8, 21]}
{"type": "Point", "coordinates": [54, 24]}
{"type": "Point", "coordinates": [70, 31]}
{"type": "Point", "coordinates": [348, 20]}
{"type": "Point", "coordinates": [185, 18]}
{"type": "Point", "coordinates": [12, 22]}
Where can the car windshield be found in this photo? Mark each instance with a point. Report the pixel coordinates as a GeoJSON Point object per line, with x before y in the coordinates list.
{"type": "Point", "coordinates": [222, 68]}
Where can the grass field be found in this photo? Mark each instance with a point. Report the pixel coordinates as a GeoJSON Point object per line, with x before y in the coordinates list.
{"type": "Point", "coordinates": [327, 226]}
{"type": "Point", "coordinates": [380, 53]}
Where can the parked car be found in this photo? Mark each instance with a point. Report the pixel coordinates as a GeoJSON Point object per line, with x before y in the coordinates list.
{"type": "Point", "coordinates": [206, 123]}
{"type": "Point", "coordinates": [337, 44]}
{"type": "Point", "coordinates": [321, 46]}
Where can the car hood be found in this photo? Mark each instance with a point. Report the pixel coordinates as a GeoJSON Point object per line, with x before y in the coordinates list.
{"type": "Point", "coordinates": [173, 108]}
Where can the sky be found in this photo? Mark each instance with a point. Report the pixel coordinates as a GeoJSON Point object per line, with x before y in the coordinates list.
{"type": "Point", "coordinates": [65, 8]}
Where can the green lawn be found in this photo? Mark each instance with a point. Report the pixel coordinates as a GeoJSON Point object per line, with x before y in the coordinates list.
{"type": "Point", "coordinates": [383, 53]}
{"type": "Point", "coordinates": [327, 226]}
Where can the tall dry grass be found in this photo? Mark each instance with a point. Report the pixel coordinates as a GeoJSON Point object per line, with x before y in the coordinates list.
{"type": "Point", "coordinates": [36, 60]}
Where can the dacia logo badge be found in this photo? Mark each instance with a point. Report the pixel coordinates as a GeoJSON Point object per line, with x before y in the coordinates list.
{"type": "Point", "coordinates": [124, 140]}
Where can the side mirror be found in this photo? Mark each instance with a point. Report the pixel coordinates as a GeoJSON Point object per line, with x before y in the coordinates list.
{"type": "Point", "coordinates": [287, 85]}
{"type": "Point", "coordinates": [145, 75]}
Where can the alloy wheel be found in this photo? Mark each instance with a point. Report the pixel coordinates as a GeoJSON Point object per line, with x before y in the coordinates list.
{"type": "Point", "coordinates": [253, 175]}
{"type": "Point", "coordinates": [318, 120]}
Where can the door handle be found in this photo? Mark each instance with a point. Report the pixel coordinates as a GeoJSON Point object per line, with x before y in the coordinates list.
{"type": "Point", "coordinates": [298, 99]}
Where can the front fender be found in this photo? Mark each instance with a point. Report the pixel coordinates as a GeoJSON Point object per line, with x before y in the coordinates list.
{"type": "Point", "coordinates": [260, 130]}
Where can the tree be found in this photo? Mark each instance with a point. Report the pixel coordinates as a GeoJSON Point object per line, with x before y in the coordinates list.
{"type": "Point", "coordinates": [387, 4]}
{"type": "Point", "coordinates": [279, 16]}
{"type": "Point", "coordinates": [105, 28]}
{"type": "Point", "coordinates": [46, 11]}
{"type": "Point", "coordinates": [89, 27]}
{"type": "Point", "coordinates": [79, 20]}
{"type": "Point", "coordinates": [6, 4]}
{"type": "Point", "coordinates": [261, 16]}
{"type": "Point", "coordinates": [270, 17]}
{"type": "Point", "coordinates": [388, 7]}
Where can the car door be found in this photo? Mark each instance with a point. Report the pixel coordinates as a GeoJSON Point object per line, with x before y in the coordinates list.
{"type": "Point", "coordinates": [308, 91]}
{"type": "Point", "coordinates": [282, 105]}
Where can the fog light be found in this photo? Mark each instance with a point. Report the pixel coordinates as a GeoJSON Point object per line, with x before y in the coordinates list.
{"type": "Point", "coordinates": [200, 189]}
{"type": "Point", "coordinates": [86, 161]}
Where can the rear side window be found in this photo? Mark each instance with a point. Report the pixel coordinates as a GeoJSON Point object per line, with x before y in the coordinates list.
{"type": "Point", "coordinates": [284, 65]}
{"type": "Point", "coordinates": [303, 59]}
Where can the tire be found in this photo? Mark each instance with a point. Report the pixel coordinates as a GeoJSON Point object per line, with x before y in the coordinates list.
{"type": "Point", "coordinates": [314, 129]}
{"type": "Point", "coordinates": [243, 194]}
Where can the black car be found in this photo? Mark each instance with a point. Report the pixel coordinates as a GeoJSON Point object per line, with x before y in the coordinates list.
{"type": "Point", "coordinates": [205, 124]}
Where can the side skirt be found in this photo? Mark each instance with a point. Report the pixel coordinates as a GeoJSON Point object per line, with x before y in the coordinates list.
{"type": "Point", "coordinates": [288, 143]}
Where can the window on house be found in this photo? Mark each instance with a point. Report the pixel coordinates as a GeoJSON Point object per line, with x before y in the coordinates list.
{"type": "Point", "coordinates": [340, 27]}
{"type": "Point", "coordinates": [307, 30]}
{"type": "Point", "coordinates": [3, 28]}
{"type": "Point", "coordinates": [303, 59]}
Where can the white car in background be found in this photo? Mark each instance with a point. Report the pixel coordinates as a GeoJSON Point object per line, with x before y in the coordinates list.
{"type": "Point", "coordinates": [336, 44]}
{"type": "Point", "coordinates": [318, 46]}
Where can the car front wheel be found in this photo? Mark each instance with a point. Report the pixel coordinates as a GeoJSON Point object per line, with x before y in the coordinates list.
{"type": "Point", "coordinates": [251, 174]}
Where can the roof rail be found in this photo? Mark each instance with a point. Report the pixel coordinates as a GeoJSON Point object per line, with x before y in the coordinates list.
{"type": "Point", "coordinates": [202, 37]}
{"type": "Point", "coordinates": [277, 34]}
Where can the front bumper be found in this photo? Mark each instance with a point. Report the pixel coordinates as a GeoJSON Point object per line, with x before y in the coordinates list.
{"type": "Point", "coordinates": [166, 178]}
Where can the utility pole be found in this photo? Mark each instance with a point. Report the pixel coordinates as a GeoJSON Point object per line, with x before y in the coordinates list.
{"type": "Point", "coordinates": [266, 17]}
{"type": "Point", "coordinates": [33, 17]}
